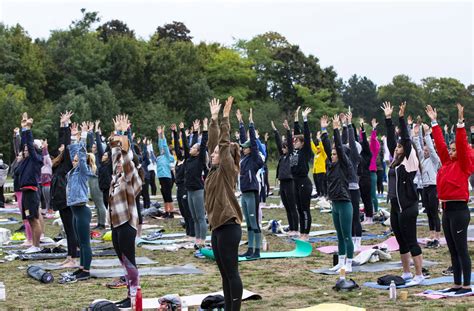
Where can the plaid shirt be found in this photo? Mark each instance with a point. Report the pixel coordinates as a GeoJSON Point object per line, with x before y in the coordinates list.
{"type": "Point", "coordinates": [123, 190]}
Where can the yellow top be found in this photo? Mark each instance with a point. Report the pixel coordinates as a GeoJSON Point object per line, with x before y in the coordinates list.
{"type": "Point", "coordinates": [319, 164]}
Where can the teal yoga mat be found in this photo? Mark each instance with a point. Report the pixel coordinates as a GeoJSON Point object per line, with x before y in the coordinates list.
{"type": "Point", "coordinates": [433, 281]}
{"type": "Point", "coordinates": [302, 249]}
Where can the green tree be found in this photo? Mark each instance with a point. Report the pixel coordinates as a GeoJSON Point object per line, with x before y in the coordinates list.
{"type": "Point", "coordinates": [173, 32]}
{"type": "Point", "coordinates": [403, 89]}
{"type": "Point", "coordinates": [114, 28]}
{"type": "Point", "coordinates": [360, 93]}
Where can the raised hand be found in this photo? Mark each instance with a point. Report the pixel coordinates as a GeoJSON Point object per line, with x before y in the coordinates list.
{"type": "Point", "coordinates": [416, 130]}
{"type": "Point", "coordinates": [401, 111]}
{"type": "Point", "coordinates": [228, 106]}
{"type": "Point", "coordinates": [97, 126]}
{"type": "Point", "coordinates": [285, 125]}
{"type": "Point", "coordinates": [343, 118]}
{"type": "Point", "coordinates": [297, 112]}
{"type": "Point", "coordinates": [349, 116]}
{"type": "Point", "coordinates": [324, 121]}
{"type": "Point", "coordinates": [91, 126]}
{"type": "Point", "coordinates": [318, 135]}
{"type": "Point", "coordinates": [238, 114]}
{"type": "Point", "coordinates": [251, 116]}
{"type": "Point", "coordinates": [305, 112]}
{"type": "Point", "coordinates": [361, 122]}
{"type": "Point", "coordinates": [265, 137]}
{"type": "Point", "coordinates": [215, 107]}
{"type": "Point", "coordinates": [460, 113]}
{"type": "Point", "coordinates": [159, 130]}
{"type": "Point", "coordinates": [84, 127]}
{"type": "Point", "coordinates": [426, 129]}
{"type": "Point", "coordinates": [196, 125]}
{"type": "Point", "coordinates": [139, 140]}
{"type": "Point", "coordinates": [273, 126]}
{"type": "Point", "coordinates": [387, 109]}
{"type": "Point", "coordinates": [256, 134]}
{"type": "Point", "coordinates": [374, 123]}
{"type": "Point", "coordinates": [432, 114]}
{"type": "Point", "coordinates": [336, 123]}
{"type": "Point", "coordinates": [205, 123]}
{"type": "Point", "coordinates": [66, 117]}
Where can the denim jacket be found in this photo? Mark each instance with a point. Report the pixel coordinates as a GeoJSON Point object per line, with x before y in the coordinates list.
{"type": "Point", "coordinates": [77, 178]}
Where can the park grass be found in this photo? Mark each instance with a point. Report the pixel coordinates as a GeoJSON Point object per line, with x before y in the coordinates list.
{"type": "Point", "coordinates": [283, 283]}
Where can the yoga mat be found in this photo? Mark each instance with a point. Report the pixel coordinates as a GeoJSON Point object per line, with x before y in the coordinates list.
{"type": "Point", "coordinates": [311, 234]}
{"type": "Point", "coordinates": [96, 263]}
{"type": "Point", "coordinates": [41, 256]}
{"type": "Point", "coordinates": [170, 270]}
{"type": "Point", "coordinates": [170, 247]}
{"type": "Point", "coordinates": [7, 210]}
{"type": "Point", "coordinates": [191, 301]}
{"type": "Point", "coordinates": [390, 243]}
{"type": "Point", "coordinates": [139, 242]}
{"type": "Point", "coordinates": [5, 221]}
{"type": "Point", "coordinates": [437, 294]}
{"type": "Point", "coordinates": [302, 249]}
{"type": "Point", "coordinates": [434, 281]}
{"type": "Point", "coordinates": [373, 267]}
{"type": "Point", "coordinates": [364, 237]}
{"type": "Point", "coordinates": [330, 307]}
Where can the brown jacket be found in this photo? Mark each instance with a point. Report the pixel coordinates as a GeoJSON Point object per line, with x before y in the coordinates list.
{"type": "Point", "coordinates": [221, 203]}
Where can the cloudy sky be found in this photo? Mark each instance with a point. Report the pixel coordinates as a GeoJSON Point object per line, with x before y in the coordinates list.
{"type": "Point", "coordinates": [377, 39]}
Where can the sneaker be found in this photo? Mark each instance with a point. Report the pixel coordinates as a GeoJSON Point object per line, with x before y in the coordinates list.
{"type": "Point", "coordinates": [448, 272]}
{"type": "Point", "coordinates": [83, 276]}
{"type": "Point", "coordinates": [21, 229]}
{"type": "Point", "coordinates": [117, 283]}
{"type": "Point", "coordinates": [199, 255]}
{"type": "Point", "coordinates": [67, 279]}
{"type": "Point", "coordinates": [154, 236]}
{"type": "Point", "coordinates": [417, 280]}
{"type": "Point", "coordinates": [429, 243]}
{"type": "Point", "coordinates": [124, 304]}
{"type": "Point", "coordinates": [435, 244]}
{"type": "Point", "coordinates": [32, 250]}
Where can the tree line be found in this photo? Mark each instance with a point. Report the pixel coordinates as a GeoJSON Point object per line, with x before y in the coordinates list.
{"type": "Point", "coordinates": [98, 70]}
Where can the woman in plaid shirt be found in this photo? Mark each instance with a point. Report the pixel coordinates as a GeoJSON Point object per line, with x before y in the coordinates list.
{"type": "Point", "coordinates": [125, 186]}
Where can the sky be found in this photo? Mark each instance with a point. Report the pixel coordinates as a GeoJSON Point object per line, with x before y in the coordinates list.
{"type": "Point", "coordinates": [376, 39]}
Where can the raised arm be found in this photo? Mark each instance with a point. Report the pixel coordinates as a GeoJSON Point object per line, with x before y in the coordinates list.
{"type": "Point", "coordinates": [391, 139]}
{"type": "Point", "coordinates": [462, 147]}
{"type": "Point", "coordinates": [429, 143]}
{"type": "Point", "coordinates": [289, 137]}
{"type": "Point", "coordinates": [438, 136]}
{"type": "Point", "coordinates": [306, 132]}
{"type": "Point", "coordinates": [363, 141]}
{"type": "Point", "coordinates": [341, 155]}
{"type": "Point", "coordinates": [404, 134]}
{"type": "Point", "coordinates": [226, 160]}
{"type": "Point", "coordinates": [204, 139]}
{"type": "Point", "coordinates": [296, 124]}
{"type": "Point", "coordinates": [417, 142]}
{"type": "Point", "coordinates": [175, 137]}
{"type": "Point", "coordinates": [277, 139]}
{"type": "Point", "coordinates": [27, 137]}
{"type": "Point", "coordinates": [16, 141]}
{"type": "Point", "coordinates": [324, 136]}
{"type": "Point", "coordinates": [215, 107]}
{"type": "Point", "coordinates": [355, 156]}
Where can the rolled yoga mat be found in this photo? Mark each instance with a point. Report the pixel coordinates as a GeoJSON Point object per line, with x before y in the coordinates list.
{"type": "Point", "coordinates": [302, 249]}
{"type": "Point", "coordinates": [171, 270]}
{"type": "Point", "coordinates": [373, 267]}
{"type": "Point", "coordinates": [96, 263]}
{"type": "Point", "coordinates": [41, 256]}
{"type": "Point", "coordinates": [434, 281]}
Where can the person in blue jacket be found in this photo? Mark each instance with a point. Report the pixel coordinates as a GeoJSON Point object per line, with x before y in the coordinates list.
{"type": "Point", "coordinates": [163, 171]}
{"type": "Point", "coordinates": [77, 197]}
{"type": "Point", "coordinates": [250, 163]}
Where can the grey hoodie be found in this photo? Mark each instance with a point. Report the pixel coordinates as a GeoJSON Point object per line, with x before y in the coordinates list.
{"type": "Point", "coordinates": [429, 166]}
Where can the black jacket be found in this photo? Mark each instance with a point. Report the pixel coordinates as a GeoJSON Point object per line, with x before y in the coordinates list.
{"type": "Point", "coordinates": [338, 173]}
{"type": "Point", "coordinates": [194, 166]}
{"type": "Point", "coordinates": [365, 156]}
{"type": "Point", "coordinates": [29, 168]}
{"type": "Point", "coordinates": [284, 168]}
{"type": "Point", "coordinates": [300, 158]}
{"type": "Point", "coordinates": [405, 185]}
{"type": "Point", "coordinates": [59, 181]}
{"type": "Point", "coordinates": [251, 163]}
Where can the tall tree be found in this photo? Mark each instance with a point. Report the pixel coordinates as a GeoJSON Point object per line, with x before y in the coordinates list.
{"type": "Point", "coordinates": [360, 93]}
{"type": "Point", "coordinates": [113, 28]}
{"type": "Point", "coordinates": [175, 31]}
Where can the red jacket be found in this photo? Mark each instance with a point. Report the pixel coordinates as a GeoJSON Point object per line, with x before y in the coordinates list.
{"type": "Point", "coordinates": [453, 176]}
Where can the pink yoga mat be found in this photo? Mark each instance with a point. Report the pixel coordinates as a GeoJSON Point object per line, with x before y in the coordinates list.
{"type": "Point", "coordinates": [390, 243]}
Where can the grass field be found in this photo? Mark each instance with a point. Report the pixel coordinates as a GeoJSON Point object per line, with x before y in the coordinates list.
{"type": "Point", "coordinates": [283, 283]}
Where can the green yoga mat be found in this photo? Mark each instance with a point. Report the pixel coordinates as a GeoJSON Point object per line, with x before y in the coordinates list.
{"type": "Point", "coordinates": [303, 249]}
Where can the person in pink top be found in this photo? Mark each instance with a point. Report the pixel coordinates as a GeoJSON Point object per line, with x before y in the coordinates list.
{"type": "Point", "coordinates": [374, 148]}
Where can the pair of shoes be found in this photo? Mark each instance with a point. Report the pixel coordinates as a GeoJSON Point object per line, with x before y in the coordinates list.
{"type": "Point", "coordinates": [82, 276]}
{"type": "Point", "coordinates": [117, 283]}
{"type": "Point", "coordinates": [448, 272]}
{"type": "Point", "coordinates": [32, 250]}
{"type": "Point", "coordinates": [99, 227]}
{"type": "Point", "coordinates": [124, 303]}
{"type": "Point", "coordinates": [433, 244]}
{"type": "Point", "coordinates": [199, 255]}
{"type": "Point", "coordinates": [68, 279]}
{"type": "Point", "coordinates": [154, 236]}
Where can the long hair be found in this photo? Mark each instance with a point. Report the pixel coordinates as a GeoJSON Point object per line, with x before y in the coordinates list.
{"type": "Point", "coordinates": [235, 153]}
{"type": "Point", "coordinates": [397, 159]}
{"type": "Point", "coordinates": [91, 162]}
{"type": "Point", "coordinates": [58, 159]}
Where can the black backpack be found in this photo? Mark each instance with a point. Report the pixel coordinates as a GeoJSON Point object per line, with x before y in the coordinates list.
{"type": "Point", "coordinates": [387, 280]}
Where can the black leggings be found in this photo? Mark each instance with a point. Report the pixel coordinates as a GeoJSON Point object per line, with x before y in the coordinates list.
{"type": "Point", "coordinates": [380, 177]}
{"type": "Point", "coordinates": [145, 194]}
{"type": "Point", "coordinates": [166, 187]}
{"type": "Point", "coordinates": [153, 182]}
{"type": "Point", "coordinates": [364, 185]}
{"type": "Point", "coordinates": [181, 195]}
{"type": "Point", "coordinates": [321, 184]}
{"type": "Point", "coordinates": [225, 245]}
{"type": "Point", "coordinates": [72, 245]}
{"type": "Point", "coordinates": [105, 196]}
{"type": "Point", "coordinates": [287, 194]}
{"type": "Point", "coordinates": [404, 227]}
{"type": "Point", "coordinates": [456, 218]}
{"type": "Point", "coordinates": [356, 226]}
{"type": "Point", "coordinates": [123, 239]}
{"type": "Point", "coordinates": [303, 189]}
{"type": "Point", "coordinates": [431, 203]}
{"type": "Point", "coordinates": [139, 210]}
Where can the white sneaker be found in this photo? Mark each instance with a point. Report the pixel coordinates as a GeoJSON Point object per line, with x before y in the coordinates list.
{"type": "Point", "coordinates": [417, 280]}
{"type": "Point", "coordinates": [341, 262]}
{"type": "Point", "coordinates": [348, 265]}
{"type": "Point", "coordinates": [32, 249]}
{"type": "Point", "coordinates": [407, 276]}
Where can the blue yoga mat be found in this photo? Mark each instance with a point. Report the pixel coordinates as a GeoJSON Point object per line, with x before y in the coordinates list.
{"type": "Point", "coordinates": [433, 281]}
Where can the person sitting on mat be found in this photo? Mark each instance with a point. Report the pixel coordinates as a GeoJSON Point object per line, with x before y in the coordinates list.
{"type": "Point", "coordinates": [338, 174]}
{"type": "Point", "coordinates": [402, 194]}
{"type": "Point", "coordinates": [250, 163]}
{"type": "Point", "coordinates": [125, 187]}
{"type": "Point", "coordinates": [223, 210]}
{"type": "Point", "coordinates": [453, 190]}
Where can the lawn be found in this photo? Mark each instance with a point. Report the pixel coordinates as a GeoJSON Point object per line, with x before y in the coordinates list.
{"type": "Point", "coordinates": [283, 283]}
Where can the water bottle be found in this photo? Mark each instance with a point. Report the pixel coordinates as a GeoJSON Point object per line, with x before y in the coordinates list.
{"type": "Point", "coordinates": [139, 300]}
{"type": "Point", "coordinates": [2, 292]}
{"type": "Point", "coordinates": [274, 226]}
{"type": "Point", "coordinates": [184, 305]}
{"type": "Point", "coordinates": [133, 297]}
{"type": "Point", "coordinates": [393, 291]}
{"type": "Point", "coordinates": [264, 244]}
{"type": "Point", "coordinates": [39, 274]}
